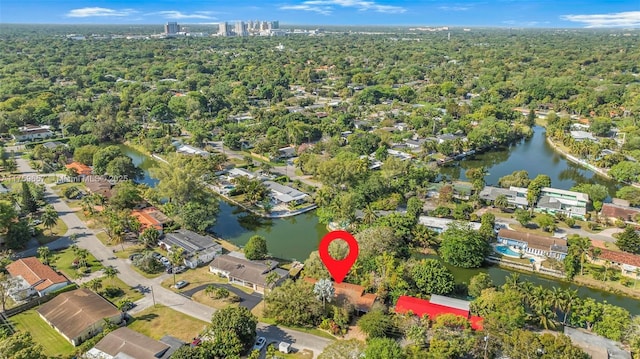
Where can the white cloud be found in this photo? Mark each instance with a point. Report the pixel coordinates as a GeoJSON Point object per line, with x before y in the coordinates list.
{"type": "Point", "coordinates": [324, 10]}
{"type": "Point", "coordinates": [454, 8]}
{"type": "Point", "coordinates": [99, 12]}
{"type": "Point", "coordinates": [325, 7]}
{"type": "Point", "coordinates": [174, 14]}
{"type": "Point", "coordinates": [619, 19]}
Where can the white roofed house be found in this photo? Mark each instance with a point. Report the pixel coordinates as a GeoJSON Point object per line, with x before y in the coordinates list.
{"type": "Point", "coordinates": [570, 203]}
{"type": "Point", "coordinates": [285, 194]}
{"type": "Point", "coordinates": [516, 196]}
{"type": "Point", "coordinates": [31, 132]}
{"type": "Point", "coordinates": [197, 249]}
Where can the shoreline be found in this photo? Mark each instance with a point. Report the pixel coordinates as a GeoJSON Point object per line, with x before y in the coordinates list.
{"type": "Point", "coordinates": [597, 170]}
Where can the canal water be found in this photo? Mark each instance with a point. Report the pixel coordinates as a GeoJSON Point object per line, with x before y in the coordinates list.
{"type": "Point", "coordinates": [533, 155]}
{"type": "Point", "coordinates": [296, 237]}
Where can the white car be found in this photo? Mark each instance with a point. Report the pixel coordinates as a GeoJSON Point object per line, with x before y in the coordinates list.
{"type": "Point", "coordinates": [165, 261]}
{"type": "Point", "coordinates": [260, 342]}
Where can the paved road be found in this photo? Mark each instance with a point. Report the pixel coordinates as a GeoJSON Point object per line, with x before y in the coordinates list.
{"type": "Point", "coordinates": [86, 239]}
{"type": "Point", "coordinates": [248, 301]}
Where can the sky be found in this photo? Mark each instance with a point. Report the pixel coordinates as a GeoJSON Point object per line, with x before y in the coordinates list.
{"type": "Point", "coordinates": [494, 13]}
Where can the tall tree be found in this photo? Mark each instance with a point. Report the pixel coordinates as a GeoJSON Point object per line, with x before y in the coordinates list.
{"type": "Point", "coordinates": [49, 217]}
{"type": "Point", "coordinates": [28, 204]}
{"type": "Point", "coordinates": [629, 240]}
{"type": "Point", "coordinates": [463, 246]}
{"type": "Point", "coordinates": [432, 277]}
{"type": "Point", "coordinates": [324, 290]}
{"type": "Point", "coordinates": [256, 248]}
{"type": "Point", "coordinates": [233, 321]}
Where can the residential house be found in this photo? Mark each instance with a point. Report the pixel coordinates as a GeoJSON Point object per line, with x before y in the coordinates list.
{"type": "Point", "coordinates": [98, 185]}
{"type": "Point", "coordinates": [190, 150]}
{"type": "Point", "coordinates": [287, 152]}
{"type": "Point", "coordinates": [516, 196]}
{"type": "Point", "coordinates": [127, 343]}
{"type": "Point", "coordinates": [628, 263]}
{"type": "Point", "coordinates": [79, 315]}
{"type": "Point", "coordinates": [240, 172]}
{"type": "Point", "coordinates": [442, 224]}
{"type": "Point", "coordinates": [534, 244]}
{"type": "Point", "coordinates": [151, 217]}
{"type": "Point", "coordinates": [351, 293]}
{"type": "Point", "coordinates": [252, 274]}
{"type": "Point", "coordinates": [437, 306]}
{"type": "Point", "coordinates": [34, 277]}
{"type": "Point", "coordinates": [31, 132]}
{"type": "Point", "coordinates": [446, 137]}
{"type": "Point", "coordinates": [285, 194]}
{"type": "Point", "coordinates": [80, 168]}
{"type": "Point", "coordinates": [197, 249]}
{"type": "Point", "coordinates": [570, 203]}
{"type": "Point", "coordinates": [53, 145]}
{"type": "Point", "coordinates": [398, 154]}
{"type": "Point", "coordinates": [582, 136]}
{"type": "Point", "coordinates": [615, 212]}
{"type": "Point", "coordinates": [415, 144]}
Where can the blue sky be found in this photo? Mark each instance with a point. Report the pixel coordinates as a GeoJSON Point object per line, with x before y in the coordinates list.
{"type": "Point", "coordinates": [502, 13]}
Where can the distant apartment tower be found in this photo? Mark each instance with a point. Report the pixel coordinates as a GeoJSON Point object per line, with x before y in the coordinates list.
{"type": "Point", "coordinates": [275, 24]}
{"type": "Point", "coordinates": [171, 28]}
{"type": "Point", "coordinates": [224, 29]}
{"type": "Point", "coordinates": [241, 29]}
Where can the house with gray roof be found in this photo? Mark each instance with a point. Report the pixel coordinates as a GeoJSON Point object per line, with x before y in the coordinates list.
{"type": "Point", "coordinates": [248, 273]}
{"type": "Point", "coordinates": [516, 196]}
{"type": "Point", "coordinates": [285, 194]}
{"type": "Point", "coordinates": [198, 249]}
{"type": "Point", "coordinates": [127, 343]}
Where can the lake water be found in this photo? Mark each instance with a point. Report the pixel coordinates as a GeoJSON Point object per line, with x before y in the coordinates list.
{"type": "Point", "coordinates": [296, 237]}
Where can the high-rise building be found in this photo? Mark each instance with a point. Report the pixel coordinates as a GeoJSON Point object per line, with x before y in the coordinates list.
{"type": "Point", "coordinates": [224, 29]}
{"type": "Point", "coordinates": [241, 29]}
{"type": "Point", "coordinates": [275, 24]}
{"type": "Point", "coordinates": [171, 28]}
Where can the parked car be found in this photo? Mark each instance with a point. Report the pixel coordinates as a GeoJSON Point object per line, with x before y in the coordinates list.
{"type": "Point", "coordinates": [284, 347]}
{"type": "Point", "coordinates": [156, 255]}
{"type": "Point", "coordinates": [260, 342]}
{"type": "Point", "coordinates": [165, 261]}
{"type": "Point", "coordinates": [179, 269]}
{"type": "Point", "coordinates": [181, 284]}
{"type": "Point", "coordinates": [169, 270]}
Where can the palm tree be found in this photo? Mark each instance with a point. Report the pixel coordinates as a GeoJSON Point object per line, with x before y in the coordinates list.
{"type": "Point", "coordinates": [209, 290]}
{"type": "Point", "coordinates": [49, 218]}
{"type": "Point", "coordinates": [370, 215]}
{"type": "Point", "coordinates": [44, 253]}
{"type": "Point", "coordinates": [501, 202]}
{"type": "Point", "coordinates": [512, 281]}
{"type": "Point", "coordinates": [324, 290]}
{"type": "Point", "coordinates": [83, 256]}
{"type": "Point", "coordinates": [95, 284]}
{"type": "Point", "coordinates": [175, 257]}
{"type": "Point", "coordinates": [150, 237]}
{"type": "Point", "coordinates": [570, 297]}
{"type": "Point", "coordinates": [111, 272]}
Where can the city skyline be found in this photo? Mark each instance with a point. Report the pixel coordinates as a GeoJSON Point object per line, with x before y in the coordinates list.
{"type": "Point", "coordinates": [500, 13]}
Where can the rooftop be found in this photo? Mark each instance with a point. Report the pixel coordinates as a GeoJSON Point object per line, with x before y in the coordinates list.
{"type": "Point", "coordinates": [131, 343]}
{"type": "Point", "coordinates": [617, 211]}
{"type": "Point", "coordinates": [555, 191]}
{"type": "Point", "coordinates": [72, 312]}
{"type": "Point", "coordinates": [620, 257]}
{"type": "Point", "coordinates": [284, 193]}
{"type": "Point", "coordinates": [34, 271]}
{"type": "Point", "coordinates": [190, 241]}
{"type": "Point", "coordinates": [80, 168]}
{"type": "Point", "coordinates": [535, 241]}
{"type": "Point", "coordinates": [422, 307]}
{"type": "Point", "coordinates": [244, 269]}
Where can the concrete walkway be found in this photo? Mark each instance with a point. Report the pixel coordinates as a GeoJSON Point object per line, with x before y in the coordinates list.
{"type": "Point", "coordinates": [86, 239]}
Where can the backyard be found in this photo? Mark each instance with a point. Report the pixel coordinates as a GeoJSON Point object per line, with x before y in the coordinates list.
{"type": "Point", "coordinates": [53, 343]}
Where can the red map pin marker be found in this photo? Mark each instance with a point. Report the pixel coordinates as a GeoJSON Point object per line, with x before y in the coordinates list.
{"type": "Point", "coordinates": [338, 268]}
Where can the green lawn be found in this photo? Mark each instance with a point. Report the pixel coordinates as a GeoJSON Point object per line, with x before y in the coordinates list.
{"type": "Point", "coordinates": [50, 235]}
{"type": "Point", "coordinates": [156, 322]}
{"type": "Point", "coordinates": [129, 292]}
{"type": "Point", "coordinates": [53, 343]}
{"type": "Point", "coordinates": [64, 263]}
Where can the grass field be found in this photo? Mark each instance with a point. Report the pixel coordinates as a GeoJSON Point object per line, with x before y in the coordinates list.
{"type": "Point", "coordinates": [53, 343]}
{"type": "Point", "coordinates": [156, 322]}
{"type": "Point", "coordinates": [64, 263]}
{"type": "Point", "coordinates": [195, 277]}
{"type": "Point", "coordinates": [51, 235]}
{"type": "Point", "coordinates": [129, 292]}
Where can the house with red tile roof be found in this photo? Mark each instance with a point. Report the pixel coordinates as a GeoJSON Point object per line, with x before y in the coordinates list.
{"type": "Point", "coordinates": [80, 168]}
{"type": "Point", "coordinates": [628, 263]}
{"type": "Point", "coordinates": [436, 307]}
{"type": "Point", "coordinates": [150, 217]}
{"type": "Point", "coordinates": [351, 293]}
{"type": "Point", "coordinates": [34, 277]}
{"type": "Point", "coordinates": [615, 212]}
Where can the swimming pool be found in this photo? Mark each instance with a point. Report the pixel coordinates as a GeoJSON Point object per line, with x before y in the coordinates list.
{"type": "Point", "coordinates": [506, 251]}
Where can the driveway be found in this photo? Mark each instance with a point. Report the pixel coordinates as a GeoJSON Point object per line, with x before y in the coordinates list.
{"type": "Point", "coordinates": [248, 301]}
{"type": "Point", "coordinates": [151, 288]}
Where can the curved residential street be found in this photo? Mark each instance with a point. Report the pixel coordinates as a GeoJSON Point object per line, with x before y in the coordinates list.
{"type": "Point", "coordinates": [86, 239]}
